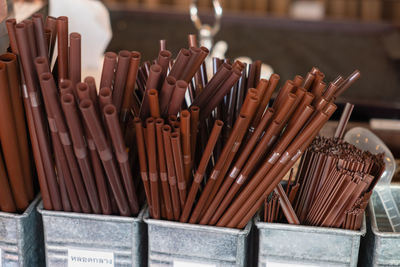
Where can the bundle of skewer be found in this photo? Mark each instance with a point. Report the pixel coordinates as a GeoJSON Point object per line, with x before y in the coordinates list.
{"type": "Point", "coordinates": [334, 182]}
{"type": "Point", "coordinates": [79, 168]}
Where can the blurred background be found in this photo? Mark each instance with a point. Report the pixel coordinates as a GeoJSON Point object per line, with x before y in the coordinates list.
{"type": "Point", "coordinates": [291, 36]}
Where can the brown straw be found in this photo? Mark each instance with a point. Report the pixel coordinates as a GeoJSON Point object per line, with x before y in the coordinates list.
{"type": "Point", "coordinates": [8, 135]}
{"type": "Point", "coordinates": [111, 118]}
{"type": "Point", "coordinates": [152, 94]}
{"type": "Point", "coordinates": [74, 58]}
{"type": "Point", "coordinates": [177, 97]}
{"type": "Point", "coordinates": [93, 123]}
{"type": "Point", "coordinates": [151, 83]}
{"type": "Point", "coordinates": [107, 74]}
{"type": "Point", "coordinates": [344, 119]}
{"type": "Point", "coordinates": [198, 177]}
{"type": "Point", "coordinates": [41, 45]}
{"type": "Point", "coordinates": [6, 199]}
{"type": "Point", "coordinates": [186, 146]}
{"type": "Point", "coordinates": [176, 205]}
{"type": "Point", "coordinates": [167, 90]}
{"type": "Point", "coordinates": [62, 46]}
{"type": "Point", "coordinates": [180, 63]}
{"type": "Point", "coordinates": [128, 98]}
{"type": "Point", "coordinates": [180, 176]}
{"type": "Point", "coordinates": [124, 58]}
{"type": "Point", "coordinates": [152, 161]}
{"type": "Point", "coordinates": [10, 60]}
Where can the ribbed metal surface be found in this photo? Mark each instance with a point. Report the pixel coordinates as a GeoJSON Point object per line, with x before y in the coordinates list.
{"type": "Point", "coordinates": [174, 241]}
{"type": "Point", "coordinates": [21, 238]}
{"type": "Point", "coordinates": [297, 244]}
{"type": "Point", "coordinates": [124, 236]}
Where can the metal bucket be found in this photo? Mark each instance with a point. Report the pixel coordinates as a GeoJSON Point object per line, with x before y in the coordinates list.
{"type": "Point", "coordinates": [298, 245]}
{"type": "Point", "coordinates": [380, 247]}
{"type": "Point", "coordinates": [183, 244]}
{"type": "Point", "coordinates": [21, 238]}
{"type": "Point", "coordinates": [72, 239]}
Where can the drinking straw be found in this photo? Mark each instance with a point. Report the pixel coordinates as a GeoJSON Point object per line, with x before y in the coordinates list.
{"type": "Point", "coordinates": [31, 38]}
{"type": "Point", "coordinates": [121, 72]}
{"type": "Point", "coordinates": [265, 97]}
{"type": "Point", "coordinates": [128, 98]}
{"type": "Point", "coordinates": [10, 61]}
{"type": "Point", "coordinates": [107, 73]}
{"type": "Point", "coordinates": [153, 103]}
{"type": "Point", "coordinates": [198, 177]}
{"type": "Point", "coordinates": [62, 47]}
{"type": "Point", "coordinates": [180, 63]}
{"type": "Point", "coordinates": [177, 156]}
{"type": "Point", "coordinates": [47, 37]}
{"type": "Point", "coordinates": [40, 161]}
{"type": "Point", "coordinates": [163, 44]}
{"type": "Point", "coordinates": [176, 205]}
{"type": "Point", "coordinates": [177, 97]}
{"type": "Point", "coordinates": [241, 160]}
{"type": "Point", "coordinates": [228, 147]}
{"type": "Point", "coordinates": [283, 92]}
{"type": "Point", "coordinates": [194, 126]}
{"type": "Point", "coordinates": [105, 98]}
{"type": "Point", "coordinates": [241, 88]}
{"type": "Point", "coordinates": [74, 72]}
{"type": "Point", "coordinates": [152, 163]}
{"type": "Point", "coordinates": [88, 199]}
{"type": "Point", "coordinates": [197, 57]}
{"type": "Point", "coordinates": [251, 76]}
{"type": "Point", "coordinates": [140, 141]}
{"type": "Point", "coordinates": [186, 146]}
{"type": "Point", "coordinates": [8, 135]}
{"type": "Point", "coordinates": [164, 57]}
{"type": "Point", "coordinates": [41, 45]}
{"type": "Point", "coordinates": [344, 119]}
{"type": "Point", "coordinates": [93, 123]}
{"type": "Point", "coordinates": [111, 118]}
{"type": "Point", "coordinates": [151, 83]}
{"type": "Point", "coordinates": [6, 198]}
{"type": "Point", "coordinates": [163, 170]}
{"type": "Point", "coordinates": [51, 24]}
{"type": "Point", "coordinates": [167, 90]}
{"type": "Point", "coordinates": [10, 24]}
{"type": "Point", "coordinates": [348, 82]}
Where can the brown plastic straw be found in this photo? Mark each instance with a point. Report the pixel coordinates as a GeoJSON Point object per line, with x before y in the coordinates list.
{"type": "Point", "coordinates": [74, 58]}
{"type": "Point", "coordinates": [82, 90]}
{"type": "Point", "coordinates": [169, 158]}
{"type": "Point", "coordinates": [235, 170]}
{"type": "Point", "coordinates": [167, 90]}
{"type": "Point", "coordinates": [283, 92]}
{"type": "Point", "coordinates": [93, 123]}
{"type": "Point", "coordinates": [41, 45]}
{"type": "Point", "coordinates": [219, 77]}
{"type": "Point", "coordinates": [10, 60]}
{"type": "Point", "coordinates": [180, 176]}
{"type": "Point", "coordinates": [287, 208]}
{"type": "Point", "coordinates": [128, 98]}
{"type": "Point", "coordinates": [8, 133]}
{"type": "Point", "coordinates": [265, 97]}
{"type": "Point", "coordinates": [151, 83]}
{"type": "Point", "coordinates": [140, 141]}
{"type": "Point", "coordinates": [121, 72]}
{"type": "Point", "coordinates": [31, 37]}
{"type": "Point", "coordinates": [186, 146]}
{"type": "Point", "coordinates": [330, 91]}
{"type": "Point", "coordinates": [230, 146]}
{"type": "Point", "coordinates": [47, 37]}
{"type": "Point", "coordinates": [177, 97]}
{"type": "Point", "coordinates": [152, 161]}
{"type": "Point", "coordinates": [164, 57]}
{"type": "Point", "coordinates": [163, 170]}
{"type": "Point", "coordinates": [348, 82]}
{"type": "Point", "coordinates": [152, 94]}
{"type": "Point", "coordinates": [197, 57]}
{"type": "Point", "coordinates": [107, 73]}
{"type": "Point", "coordinates": [308, 81]}
{"type": "Point", "coordinates": [51, 24]}
{"type": "Point", "coordinates": [105, 97]}
{"type": "Point", "coordinates": [198, 177]}
{"type": "Point", "coordinates": [344, 119]}
{"type": "Point", "coordinates": [194, 128]}
{"type": "Point", "coordinates": [111, 118]}
{"type": "Point", "coordinates": [180, 63]}
{"type": "Point", "coordinates": [56, 121]}
{"type": "Point", "coordinates": [40, 145]}
{"type": "Point", "coordinates": [62, 46]}
{"type": "Point", "coordinates": [10, 24]}
{"type": "Point", "coordinates": [6, 199]}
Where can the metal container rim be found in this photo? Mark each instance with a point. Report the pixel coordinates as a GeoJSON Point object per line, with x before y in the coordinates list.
{"type": "Point", "coordinates": [374, 224]}
{"type": "Point", "coordinates": [197, 227]}
{"type": "Point", "coordinates": [93, 217]}
{"type": "Point", "coordinates": [312, 229]}
{"type": "Point", "coordinates": [25, 214]}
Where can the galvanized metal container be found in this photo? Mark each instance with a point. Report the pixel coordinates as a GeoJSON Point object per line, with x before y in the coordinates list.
{"type": "Point", "coordinates": [183, 244]}
{"type": "Point", "coordinates": [73, 236]}
{"type": "Point", "coordinates": [380, 247]}
{"type": "Point", "coordinates": [298, 245]}
{"type": "Point", "coordinates": [21, 238]}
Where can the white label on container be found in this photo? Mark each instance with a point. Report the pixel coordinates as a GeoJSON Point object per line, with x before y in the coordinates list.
{"type": "Point", "coordinates": [284, 264]}
{"type": "Point", "coordinates": [90, 258]}
{"type": "Point", "coordinates": [180, 263]}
